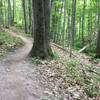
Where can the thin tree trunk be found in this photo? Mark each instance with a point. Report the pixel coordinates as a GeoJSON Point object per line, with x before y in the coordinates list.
{"type": "Point", "coordinates": [30, 15]}
{"type": "Point", "coordinates": [25, 15]}
{"type": "Point", "coordinates": [98, 36]}
{"type": "Point", "coordinates": [73, 21]}
{"type": "Point", "coordinates": [64, 24]}
{"type": "Point", "coordinates": [73, 26]}
{"type": "Point", "coordinates": [98, 44]}
{"type": "Point", "coordinates": [83, 22]}
{"type": "Point", "coordinates": [13, 11]}
{"type": "Point", "coordinates": [1, 13]}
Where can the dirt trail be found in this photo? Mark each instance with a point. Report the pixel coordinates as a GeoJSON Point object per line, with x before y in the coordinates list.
{"type": "Point", "coordinates": [18, 77]}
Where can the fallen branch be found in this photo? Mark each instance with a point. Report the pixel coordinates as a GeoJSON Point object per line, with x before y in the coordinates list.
{"type": "Point", "coordinates": [60, 47]}
{"type": "Point", "coordinates": [83, 69]}
{"type": "Point", "coordinates": [64, 49]}
{"type": "Point", "coordinates": [92, 71]}
{"type": "Point", "coordinates": [81, 50]}
{"type": "Point", "coordinates": [88, 45]}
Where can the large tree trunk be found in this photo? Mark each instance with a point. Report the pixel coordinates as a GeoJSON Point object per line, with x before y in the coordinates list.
{"type": "Point", "coordinates": [41, 14]}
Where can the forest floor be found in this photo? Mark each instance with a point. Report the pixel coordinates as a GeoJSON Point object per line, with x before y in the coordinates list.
{"type": "Point", "coordinates": [64, 78]}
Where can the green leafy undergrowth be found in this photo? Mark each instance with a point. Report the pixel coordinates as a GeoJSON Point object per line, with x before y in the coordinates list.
{"type": "Point", "coordinates": [8, 43]}
{"type": "Point", "coordinates": [55, 55]}
{"type": "Point", "coordinates": [36, 60]}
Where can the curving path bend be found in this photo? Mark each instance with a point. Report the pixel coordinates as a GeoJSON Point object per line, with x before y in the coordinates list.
{"type": "Point", "coordinates": [19, 79]}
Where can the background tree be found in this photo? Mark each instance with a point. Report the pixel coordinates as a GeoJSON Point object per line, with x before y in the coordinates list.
{"type": "Point", "coordinates": [73, 22]}
{"type": "Point", "coordinates": [98, 35]}
{"type": "Point", "coordinates": [25, 16]}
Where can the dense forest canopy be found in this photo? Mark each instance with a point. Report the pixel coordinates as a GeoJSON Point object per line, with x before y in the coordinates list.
{"type": "Point", "coordinates": [73, 23]}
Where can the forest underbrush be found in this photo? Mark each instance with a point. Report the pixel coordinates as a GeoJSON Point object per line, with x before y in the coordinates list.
{"type": "Point", "coordinates": [75, 78]}
{"type": "Point", "coordinates": [8, 43]}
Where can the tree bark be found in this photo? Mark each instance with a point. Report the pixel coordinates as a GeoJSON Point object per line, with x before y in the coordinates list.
{"type": "Point", "coordinates": [83, 22]}
{"type": "Point", "coordinates": [41, 15]}
{"type": "Point", "coordinates": [9, 13]}
{"type": "Point", "coordinates": [30, 15]}
{"type": "Point", "coordinates": [98, 45]}
{"type": "Point", "coordinates": [1, 13]}
{"type": "Point", "coordinates": [64, 24]}
{"type": "Point", "coordinates": [13, 12]}
{"type": "Point", "coordinates": [98, 36]}
{"type": "Point", "coordinates": [25, 15]}
{"type": "Point", "coordinates": [73, 22]}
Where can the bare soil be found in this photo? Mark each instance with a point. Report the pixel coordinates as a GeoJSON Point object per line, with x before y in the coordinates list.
{"type": "Point", "coordinates": [19, 79]}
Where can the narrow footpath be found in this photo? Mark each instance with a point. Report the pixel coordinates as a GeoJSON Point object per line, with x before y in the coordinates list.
{"type": "Point", "coordinates": [18, 77]}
